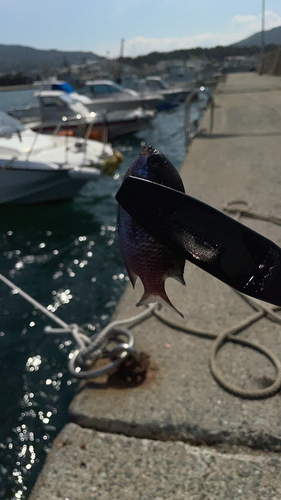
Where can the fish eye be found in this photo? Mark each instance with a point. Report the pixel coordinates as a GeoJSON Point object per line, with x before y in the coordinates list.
{"type": "Point", "coordinates": [154, 160]}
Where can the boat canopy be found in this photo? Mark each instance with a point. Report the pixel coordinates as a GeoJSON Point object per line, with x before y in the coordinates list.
{"type": "Point", "coordinates": [64, 86]}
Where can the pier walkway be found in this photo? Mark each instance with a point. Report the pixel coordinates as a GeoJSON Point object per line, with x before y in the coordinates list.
{"type": "Point", "coordinates": [178, 435]}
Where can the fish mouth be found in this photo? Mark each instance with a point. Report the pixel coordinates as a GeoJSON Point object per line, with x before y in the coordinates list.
{"type": "Point", "coordinates": [146, 150]}
{"type": "Point", "coordinates": [152, 156]}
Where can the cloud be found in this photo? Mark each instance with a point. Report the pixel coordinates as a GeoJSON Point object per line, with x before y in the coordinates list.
{"type": "Point", "coordinates": [244, 19]}
{"type": "Point", "coordinates": [248, 26]}
{"type": "Point", "coordinates": [142, 45]}
{"type": "Point", "coordinates": [271, 20]}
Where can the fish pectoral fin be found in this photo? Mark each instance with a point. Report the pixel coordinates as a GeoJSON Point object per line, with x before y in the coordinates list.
{"type": "Point", "coordinates": [177, 273]}
{"type": "Point", "coordinates": [179, 278]}
{"type": "Point", "coordinates": [149, 298]}
{"type": "Point", "coordinates": [132, 276]}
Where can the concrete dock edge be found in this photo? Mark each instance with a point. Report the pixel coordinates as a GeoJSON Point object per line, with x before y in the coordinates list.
{"type": "Point", "coordinates": [178, 434]}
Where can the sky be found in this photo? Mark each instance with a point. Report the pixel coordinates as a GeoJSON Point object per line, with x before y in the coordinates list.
{"type": "Point", "coordinates": [145, 25]}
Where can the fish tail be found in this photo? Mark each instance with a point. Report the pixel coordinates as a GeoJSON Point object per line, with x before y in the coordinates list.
{"type": "Point", "coordinates": [149, 298]}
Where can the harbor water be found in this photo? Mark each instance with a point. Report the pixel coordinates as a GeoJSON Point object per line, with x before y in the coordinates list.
{"type": "Point", "coordinates": [66, 256]}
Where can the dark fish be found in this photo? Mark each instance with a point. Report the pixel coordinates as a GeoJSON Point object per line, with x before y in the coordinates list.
{"type": "Point", "coordinates": [143, 255]}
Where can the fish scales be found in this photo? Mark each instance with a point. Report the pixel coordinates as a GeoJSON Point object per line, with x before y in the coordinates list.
{"type": "Point", "coordinates": [144, 256]}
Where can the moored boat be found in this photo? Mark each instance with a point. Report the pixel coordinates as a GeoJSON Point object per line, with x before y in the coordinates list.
{"type": "Point", "coordinates": [40, 168]}
{"type": "Point", "coordinates": [58, 112]}
{"type": "Point", "coordinates": [110, 96]}
{"type": "Point", "coordinates": [172, 96]}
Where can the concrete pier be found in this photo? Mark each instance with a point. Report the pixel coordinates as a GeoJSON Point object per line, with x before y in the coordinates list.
{"type": "Point", "coordinates": [178, 434]}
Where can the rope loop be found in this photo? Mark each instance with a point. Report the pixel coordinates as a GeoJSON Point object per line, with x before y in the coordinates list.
{"type": "Point", "coordinates": [243, 208]}
{"type": "Point", "coordinates": [117, 354]}
{"type": "Point", "coordinates": [238, 391]}
{"type": "Point", "coordinates": [240, 208]}
{"type": "Point", "coordinates": [230, 335]}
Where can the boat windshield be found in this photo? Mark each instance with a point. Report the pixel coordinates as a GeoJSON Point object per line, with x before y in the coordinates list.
{"type": "Point", "coordinates": [59, 100]}
{"type": "Point", "coordinates": [104, 89]}
{"type": "Point", "coordinates": [9, 126]}
{"type": "Point", "coordinates": [156, 83]}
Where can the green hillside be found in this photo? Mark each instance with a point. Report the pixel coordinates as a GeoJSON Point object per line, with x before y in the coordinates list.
{"type": "Point", "coordinates": [17, 58]}
{"type": "Point", "coordinates": [272, 36]}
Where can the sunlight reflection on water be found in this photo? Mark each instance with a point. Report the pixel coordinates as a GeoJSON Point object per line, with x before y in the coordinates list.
{"type": "Point", "coordinates": [66, 256]}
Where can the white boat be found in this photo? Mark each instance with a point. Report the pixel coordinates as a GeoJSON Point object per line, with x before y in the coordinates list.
{"type": "Point", "coordinates": [101, 95]}
{"type": "Point", "coordinates": [110, 96]}
{"type": "Point", "coordinates": [59, 112]}
{"type": "Point", "coordinates": [112, 124]}
{"type": "Point", "coordinates": [172, 96]}
{"type": "Point", "coordinates": [40, 168]}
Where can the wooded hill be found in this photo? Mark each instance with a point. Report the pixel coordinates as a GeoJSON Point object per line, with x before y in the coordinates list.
{"type": "Point", "coordinates": [18, 58]}
{"type": "Point", "coordinates": [25, 60]}
{"type": "Point", "coordinates": [218, 53]}
{"type": "Point", "coordinates": [248, 47]}
{"type": "Point", "coordinates": [272, 36]}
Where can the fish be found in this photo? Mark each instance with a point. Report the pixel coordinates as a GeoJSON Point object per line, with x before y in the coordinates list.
{"type": "Point", "coordinates": [143, 255]}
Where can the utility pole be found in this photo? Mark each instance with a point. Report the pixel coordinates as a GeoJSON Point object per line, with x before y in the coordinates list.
{"type": "Point", "coordinates": [262, 35]}
{"type": "Point", "coordinates": [122, 48]}
{"type": "Point", "coordinates": [120, 62]}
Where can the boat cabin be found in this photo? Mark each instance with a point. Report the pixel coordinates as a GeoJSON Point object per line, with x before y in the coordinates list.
{"type": "Point", "coordinates": [57, 105]}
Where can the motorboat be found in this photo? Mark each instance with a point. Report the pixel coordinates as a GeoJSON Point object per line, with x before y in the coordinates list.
{"type": "Point", "coordinates": [56, 112]}
{"type": "Point", "coordinates": [59, 113]}
{"type": "Point", "coordinates": [40, 168]}
{"type": "Point", "coordinates": [64, 86]}
{"type": "Point", "coordinates": [31, 112]}
{"type": "Point", "coordinates": [108, 95]}
{"type": "Point", "coordinates": [101, 95]}
{"type": "Point", "coordinates": [172, 96]}
{"type": "Point", "coordinates": [112, 124]}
